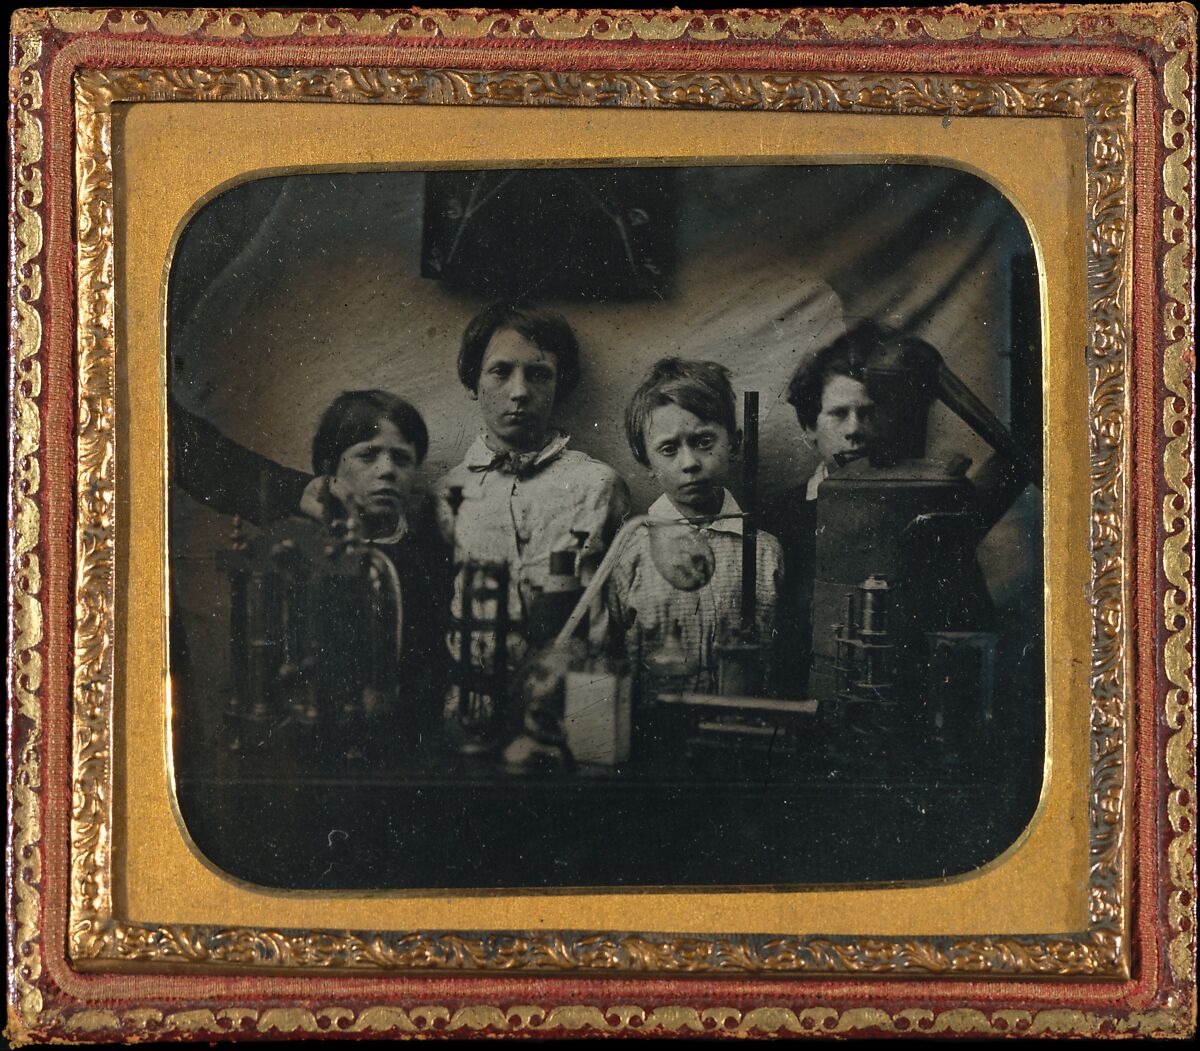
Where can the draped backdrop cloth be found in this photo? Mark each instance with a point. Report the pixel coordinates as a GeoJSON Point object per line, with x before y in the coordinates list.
{"type": "Point", "coordinates": [289, 290]}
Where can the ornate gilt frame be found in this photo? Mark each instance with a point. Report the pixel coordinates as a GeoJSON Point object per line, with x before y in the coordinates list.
{"type": "Point", "coordinates": [1139, 247]}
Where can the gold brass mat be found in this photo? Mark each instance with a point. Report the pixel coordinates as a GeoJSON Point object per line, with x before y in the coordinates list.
{"type": "Point", "coordinates": [1102, 104]}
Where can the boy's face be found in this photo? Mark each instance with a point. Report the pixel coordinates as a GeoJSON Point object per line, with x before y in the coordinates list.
{"type": "Point", "coordinates": [374, 479]}
{"type": "Point", "coordinates": [846, 422]}
{"type": "Point", "coordinates": [689, 457]}
{"type": "Point", "coordinates": [516, 389]}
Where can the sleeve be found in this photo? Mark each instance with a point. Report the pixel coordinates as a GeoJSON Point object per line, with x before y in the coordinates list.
{"type": "Point", "coordinates": [619, 505]}
{"type": "Point", "coordinates": [603, 517]}
{"type": "Point", "coordinates": [619, 614]}
{"type": "Point", "coordinates": [227, 477]}
{"type": "Point", "coordinates": [998, 483]}
{"type": "Point", "coordinates": [442, 514]}
{"type": "Point", "coordinates": [435, 522]}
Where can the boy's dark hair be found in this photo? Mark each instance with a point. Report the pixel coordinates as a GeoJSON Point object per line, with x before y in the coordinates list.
{"type": "Point", "coordinates": [701, 387]}
{"type": "Point", "coordinates": [848, 355]}
{"type": "Point", "coordinates": [549, 332]}
{"type": "Point", "coordinates": [354, 416]}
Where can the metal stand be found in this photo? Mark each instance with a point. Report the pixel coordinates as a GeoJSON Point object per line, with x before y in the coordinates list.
{"type": "Point", "coordinates": [475, 708]}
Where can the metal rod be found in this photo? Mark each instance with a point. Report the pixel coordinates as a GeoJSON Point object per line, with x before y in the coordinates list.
{"type": "Point", "coordinates": [466, 615]}
{"type": "Point", "coordinates": [750, 522]}
{"type": "Point", "coordinates": [609, 562]}
{"type": "Point", "coordinates": [963, 402]}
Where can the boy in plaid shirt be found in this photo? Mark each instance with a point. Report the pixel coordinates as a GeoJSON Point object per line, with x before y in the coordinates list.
{"type": "Point", "coordinates": [682, 427]}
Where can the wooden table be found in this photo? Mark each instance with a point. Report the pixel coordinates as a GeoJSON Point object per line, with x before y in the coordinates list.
{"type": "Point", "coordinates": [441, 820]}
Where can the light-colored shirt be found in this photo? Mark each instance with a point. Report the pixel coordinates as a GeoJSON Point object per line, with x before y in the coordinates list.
{"type": "Point", "coordinates": [646, 608]}
{"type": "Point", "coordinates": [518, 508]}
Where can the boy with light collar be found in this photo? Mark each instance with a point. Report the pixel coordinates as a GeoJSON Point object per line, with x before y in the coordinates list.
{"type": "Point", "coordinates": [681, 425]}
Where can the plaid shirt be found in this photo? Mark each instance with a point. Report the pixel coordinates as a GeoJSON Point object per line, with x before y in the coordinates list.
{"type": "Point", "coordinates": [517, 509]}
{"type": "Point", "coordinates": [646, 608]}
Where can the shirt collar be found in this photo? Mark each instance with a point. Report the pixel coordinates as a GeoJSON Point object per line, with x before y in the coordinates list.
{"type": "Point", "coordinates": [397, 534]}
{"type": "Point", "coordinates": [814, 482]}
{"type": "Point", "coordinates": [480, 457]}
{"type": "Point", "coordinates": [663, 508]}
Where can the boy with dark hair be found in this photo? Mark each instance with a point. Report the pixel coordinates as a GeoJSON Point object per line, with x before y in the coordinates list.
{"type": "Point", "coordinates": [550, 332]}
{"type": "Point", "coordinates": [837, 419]}
{"type": "Point", "coordinates": [366, 451]}
{"type": "Point", "coordinates": [840, 420]}
{"type": "Point", "coordinates": [681, 425]}
{"type": "Point", "coordinates": [368, 446]}
{"type": "Point", "coordinates": [831, 401]}
{"type": "Point", "coordinates": [520, 494]}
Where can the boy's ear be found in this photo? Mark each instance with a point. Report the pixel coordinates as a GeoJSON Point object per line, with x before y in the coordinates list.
{"type": "Point", "coordinates": [473, 394]}
{"type": "Point", "coordinates": [735, 442]}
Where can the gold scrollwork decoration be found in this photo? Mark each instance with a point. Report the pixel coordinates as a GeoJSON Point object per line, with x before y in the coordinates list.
{"type": "Point", "coordinates": [1104, 103]}
{"type": "Point", "coordinates": [91, 802]}
{"type": "Point", "coordinates": [389, 1020]}
{"type": "Point", "coordinates": [896, 27]}
{"type": "Point", "coordinates": [24, 527]}
{"type": "Point", "coordinates": [802, 92]}
{"type": "Point", "coordinates": [607, 953]}
{"type": "Point", "coordinates": [1179, 358]}
{"type": "Point", "coordinates": [1108, 275]}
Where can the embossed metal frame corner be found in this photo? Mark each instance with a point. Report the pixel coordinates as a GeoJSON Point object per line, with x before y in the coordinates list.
{"type": "Point", "coordinates": [46, 1003]}
{"type": "Point", "coordinates": [97, 933]}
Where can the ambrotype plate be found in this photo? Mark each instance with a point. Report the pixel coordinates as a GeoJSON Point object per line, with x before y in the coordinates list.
{"type": "Point", "coordinates": [760, 269]}
{"type": "Point", "coordinates": [499, 495]}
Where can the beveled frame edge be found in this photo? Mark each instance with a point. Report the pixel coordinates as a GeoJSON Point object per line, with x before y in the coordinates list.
{"type": "Point", "coordinates": [1109, 149]}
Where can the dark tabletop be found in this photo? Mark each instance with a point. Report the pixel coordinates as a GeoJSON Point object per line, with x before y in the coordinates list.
{"type": "Point", "coordinates": [430, 818]}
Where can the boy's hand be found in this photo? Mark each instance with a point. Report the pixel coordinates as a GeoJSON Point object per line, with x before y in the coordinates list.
{"type": "Point", "coordinates": [325, 501]}
{"type": "Point", "coordinates": [339, 505]}
{"type": "Point", "coordinates": [314, 501]}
